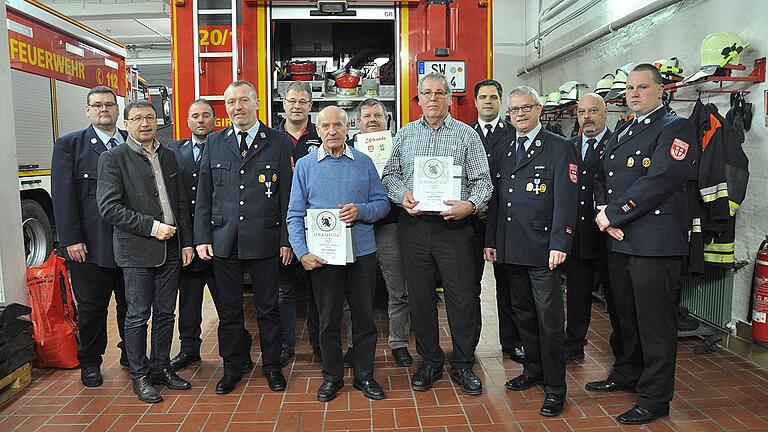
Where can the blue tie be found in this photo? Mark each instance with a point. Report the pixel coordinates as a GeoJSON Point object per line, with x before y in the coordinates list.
{"type": "Point", "coordinates": [520, 154]}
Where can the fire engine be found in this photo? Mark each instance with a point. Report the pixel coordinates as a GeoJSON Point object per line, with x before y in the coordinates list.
{"type": "Point", "coordinates": [346, 50]}
{"type": "Point", "coordinates": [54, 62]}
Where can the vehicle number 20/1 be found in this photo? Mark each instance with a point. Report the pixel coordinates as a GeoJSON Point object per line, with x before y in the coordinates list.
{"type": "Point", "coordinates": [215, 37]}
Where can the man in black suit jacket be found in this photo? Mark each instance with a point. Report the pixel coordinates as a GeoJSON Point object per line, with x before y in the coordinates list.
{"type": "Point", "coordinates": [531, 221]}
{"type": "Point", "coordinates": [189, 152]}
{"type": "Point", "coordinates": [242, 201]}
{"type": "Point", "coordinates": [85, 235]}
{"type": "Point", "coordinates": [494, 131]}
{"type": "Point", "coordinates": [141, 194]}
{"type": "Point", "coordinates": [588, 254]}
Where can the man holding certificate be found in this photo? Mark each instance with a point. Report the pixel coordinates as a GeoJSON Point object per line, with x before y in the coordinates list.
{"type": "Point", "coordinates": [438, 173]}
{"type": "Point", "coordinates": [335, 187]}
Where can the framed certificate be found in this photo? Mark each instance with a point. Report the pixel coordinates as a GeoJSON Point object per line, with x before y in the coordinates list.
{"type": "Point", "coordinates": [378, 147]}
{"type": "Point", "coordinates": [434, 181]}
{"type": "Point", "coordinates": [327, 235]}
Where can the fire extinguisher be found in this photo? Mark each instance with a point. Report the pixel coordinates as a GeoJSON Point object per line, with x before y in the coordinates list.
{"type": "Point", "coordinates": [759, 305]}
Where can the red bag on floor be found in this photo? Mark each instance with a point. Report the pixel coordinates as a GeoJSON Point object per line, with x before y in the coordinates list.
{"type": "Point", "coordinates": [53, 314]}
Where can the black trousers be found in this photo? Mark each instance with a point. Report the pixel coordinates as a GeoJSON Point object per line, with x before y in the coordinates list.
{"type": "Point", "coordinates": [191, 284]}
{"type": "Point", "coordinates": [234, 340]}
{"type": "Point", "coordinates": [432, 246]}
{"type": "Point", "coordinates": [580, 274]}
{"type": "Point", "coordinates": [644, 291]}
{"type": "Point", "coordinates": [93, 287]}
{"type": "Point", "coordinates": [509, 336]}
{"type": "Point", "coordinates": [537, 302]}
{"type": "Point", "coordinates": [151, 292]}
{"type": "Point", "coordinates": [355, 283]}
{"type": "Point", "coordinates": [292, 278]}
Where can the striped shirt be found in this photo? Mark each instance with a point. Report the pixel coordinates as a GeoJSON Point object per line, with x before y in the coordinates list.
{"type": "Point", "coordinates": [452, 138]}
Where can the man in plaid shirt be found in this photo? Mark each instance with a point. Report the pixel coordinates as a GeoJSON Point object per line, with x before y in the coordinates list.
{"type": "Point", "coordinates": [439, 243]}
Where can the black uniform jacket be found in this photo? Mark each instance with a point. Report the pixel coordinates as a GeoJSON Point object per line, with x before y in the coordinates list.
{"type": "Point", "coordinates": [533, 208]}
{"type": "Point", "coordinates": [188, 169]}
{"type": "Point", "coordinates": [128, 199]}
{"type": "Point", "coordinates": [588, 241]}
{"type": "Point", "coordinates": [642, 181]}
{"type": "Point", "coordinates": [501, 135]}
{"type": "Point", "coordinates": [244, 201]}
{"type": "Point", "coordinates": [74, 173]}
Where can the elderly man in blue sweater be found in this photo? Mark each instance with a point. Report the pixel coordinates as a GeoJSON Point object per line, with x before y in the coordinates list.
{"type": "Point", "coordinates": [338, 176]}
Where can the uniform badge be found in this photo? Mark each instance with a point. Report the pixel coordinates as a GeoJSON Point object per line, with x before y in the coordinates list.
{"type": "Point", "coordinates": [646, 162]}
{"type": "Point", "coordinates": [537, 143]}
{"type": "Point", "coordinates": [629, 133]}
{"type": "Point", "coordinates": [262, 135]}
{"type": "Point", "coordinates": [630, 162]}
{"type": "Point", "coordinates": [573, 173]}
{"type": "Point", "coordinates": [647, 121]}
{"type": "Point", "coordinates": [262, 178]}
{"type": "Point", "coordinates": [628, 206]}
{"type": "Point", "coordinates": [274, 177]}
{"type": "Point", "coordinates": [542, 188]}
{"type": "Point", "coordinates": [529, 187]}
{"type": "Point", "coordinates": [679, 149]}
{"type": "Point", "coordinates": [569, 230]}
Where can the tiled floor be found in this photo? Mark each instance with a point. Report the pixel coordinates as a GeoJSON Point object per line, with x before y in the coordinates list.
{"type": "Point", "coordinates": [714, 392]}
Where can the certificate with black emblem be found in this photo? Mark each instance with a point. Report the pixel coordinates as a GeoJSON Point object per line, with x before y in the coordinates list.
{"type": "Point", "coordinates": [433, 182]}
{"type": "Point", "coordinates": [327, 235]}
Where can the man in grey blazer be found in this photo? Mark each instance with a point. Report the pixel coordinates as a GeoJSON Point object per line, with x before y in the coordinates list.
{"type": "Point", "coordinates": [140, 192]}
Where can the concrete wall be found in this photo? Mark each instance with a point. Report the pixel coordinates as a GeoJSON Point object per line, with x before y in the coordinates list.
{"type": "Point", "coordinates": [676, 31]}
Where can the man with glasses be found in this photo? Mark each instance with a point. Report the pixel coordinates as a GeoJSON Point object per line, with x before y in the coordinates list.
{"type": "Point", "coordinates": [85, 235]}
{"type": "Point", "coordinates": [297, 103]}
{"type": "Point", "coordinates": [436, 243]}
{"type": "Point", "coordinates": [189, 153]}
{"type": "Point", "coordinates": [534, 206]}
{"type": "Point", "coordinates": [242, 199]}
{"type": "Point", "coordinates": [141, 193]}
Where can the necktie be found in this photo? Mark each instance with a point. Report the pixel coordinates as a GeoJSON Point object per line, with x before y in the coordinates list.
{"type": "Point", "coordinates": [590, 145]}
{"type": "Point", "coordinates": [488, 129]}
{"type": "Point", "coordinates": [520, 154]}
{"type": "Point", "coordinates": [111, 143]}
{"type": "Point", "coordinates": [243, 143]}
{"type": "Point", "coordinates": [200, 148]}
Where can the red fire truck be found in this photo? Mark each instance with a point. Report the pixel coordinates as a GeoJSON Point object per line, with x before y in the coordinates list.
{"type": "Point", "coordinates": [54, 62]}
{"type": "Point", "coordinates": [346, 50]}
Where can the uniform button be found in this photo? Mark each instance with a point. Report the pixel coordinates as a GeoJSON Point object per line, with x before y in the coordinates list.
{"type": "Point", "coordinates": [509, 204]}
{"type": "Point", "coordinates": [610, 173]}
{"type": "Point", "coordinates": [242, 171]}
{"type": "Point", "coordinates": [582, 203]}
{"type": "Point", "coordinates": [268, 167]}
{"type": "Point", "coordinates": [583, 188]}
{"type": "Point", "coordinates": [584, 172]}
{"type": "Point", "coordinates": [194, 174]}
{"type": "Point", "coordinates": [85, 175]}
{"type": "Point", "coordinates": [242, 202]}
{"type": "Point", "coordinates": [510, 190]}
{"type": "Point", "coordinates": [657, 212]}
{"type": "Point", "coordinates": [582, 218]}
{"type": "Point", "coordinates": [193, 201]}
{"type": "Point", "coordinates": [218, 165]}
{"type": "Point", "coordinates": [509, 154]}
{"type": "Point", "coordinates": [193, 215]}
{"type": "Point", "coordinates": [487, 155]}
{"type": "Point", "coordinates": [513, 176]}
{"type": "Point", "coordinates": [212, 222]}
{"type": "Point", "coordinates": [546, 228]}
{"type": "Point", "coordinates": [613, 156]}
{"type": "Point", "coordinates": [509, 219]}
{"type": "Point", "coordinates": [242, 187]}
{"type": "Point", "coordinates": [194, 187]}
{"type": "Point", "coordinates": [637, 152]}
{"type": "Point", "coordinates": [241, 218]}
{"type": "Point", "coordinates": [610, 190]}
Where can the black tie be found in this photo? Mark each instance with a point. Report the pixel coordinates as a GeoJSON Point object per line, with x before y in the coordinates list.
{"type": "Point", "coordinates": [590, 146]}
{"type": "Point", "coordinates": [243, 143]}
{"type": "Point", "coordinates": [488, 129]}
{"type": "Point", "coordinates": [520, 154]}
{"type": "Point", "coordinates": [200, 149]}
{"type": "Point", "coordinates": [111, 143]}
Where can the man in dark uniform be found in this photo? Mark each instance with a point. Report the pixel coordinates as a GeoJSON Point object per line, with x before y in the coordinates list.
{"type": "Point", "coordinates": [189, 152]}
{"type": "Point", "coordinates": [303, 134]}
{"type": "Point", "coordinates": [85, 235]}
{"type": "Point", "coordinates": [588, 255]}
{"type": "Point", "coordinates": [531, 221]}
{"type": "Point", "coordinates": [494, 131]}
{"type": "Point", "coordinates": [244, 187]}
{"type": "Point", "coordinates": [641, 194]}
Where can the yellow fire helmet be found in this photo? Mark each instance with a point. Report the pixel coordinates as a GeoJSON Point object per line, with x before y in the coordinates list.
{"type": "Point", "coordinates": [603, 86]}
{"type": "Point", "coordinates": [569, 93]}
{"type": "Point", "coordinates": [721, 48]}
{"type": "Point", "coordinates": [553, 99]}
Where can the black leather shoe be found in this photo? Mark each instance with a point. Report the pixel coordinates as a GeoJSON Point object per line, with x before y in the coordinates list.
{"type": "Point", "coordinates": [248, 366]}
{"type": "Point", "coordinates": [522, 382]}
{"type": "Point", "coordinates": [227, 384]}
{"type": "Point", "coordinates": [317, 353]}
{"type": "Point", "coordinates": [123, 358]}
{"type": "Point", "coordinates": [328, 390]}
{"type": "Point", "coordinates": [169, 379]}
{"type": "Point", "coordinates": [402, 357]}
{"type": "Point", "coordinates": [91, 376]}
{"type": "Point", "coordinates": [143, 388]}
{"type": "Point", "coordinates": [370, 388]}
{"type": "Point", "coordinates": [639, 415]}
{"type": "Point", "coordinates": [275, 380]}
{"type": "Point", "coordinates": [183, 360]}
{"type": "Point", "coordinates": [517, 354]}
{"type": "Point", "coordinates": [286, 355]}
{"type": "Point", "coordinates": [607, 386]}
{"type": "Point", "coordinates": [425, 377]}
{"type": "Point", "coordinates": [553, 405]}
{"type": "Point", "coordinates": [470, 383]}
{"type": "Point", "coordinates": [349, 357]}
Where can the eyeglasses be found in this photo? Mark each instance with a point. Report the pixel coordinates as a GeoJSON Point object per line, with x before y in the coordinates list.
{"type": "Point", "coordinates": [523, 108]}
{"type": "Point", "coordinates": [141, 119]}
{"type": "Point", "coordinates": [99, 107]}
{"type": "Point", "coordinates": [302, 102]}
{"type": "Point", "coordinates": [436, 95]}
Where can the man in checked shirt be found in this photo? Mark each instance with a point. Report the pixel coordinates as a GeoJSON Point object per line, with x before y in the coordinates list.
{"type": "Point", "coordinates": [438, 243]}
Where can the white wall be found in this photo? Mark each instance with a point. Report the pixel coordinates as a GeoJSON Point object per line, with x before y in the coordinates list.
{"type": "Point", "coordinates": [676, 31]}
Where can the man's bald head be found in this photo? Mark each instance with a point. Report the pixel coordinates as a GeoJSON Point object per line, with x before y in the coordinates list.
{"type": "Point", "coordinates": [592, 114]}
{"type": "Point", "coordinates": [332, 126]}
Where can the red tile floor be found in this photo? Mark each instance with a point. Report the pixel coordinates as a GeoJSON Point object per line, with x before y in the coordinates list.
{"type": "Point", "coordinates": [715, 392]}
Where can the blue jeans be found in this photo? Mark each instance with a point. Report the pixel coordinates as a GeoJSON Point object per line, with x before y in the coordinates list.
{"type": "Point", "coordinates": [151, 291]}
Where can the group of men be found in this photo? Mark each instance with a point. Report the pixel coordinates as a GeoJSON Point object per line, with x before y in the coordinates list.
{"type": "Point", "coordinates": [606, 204]}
